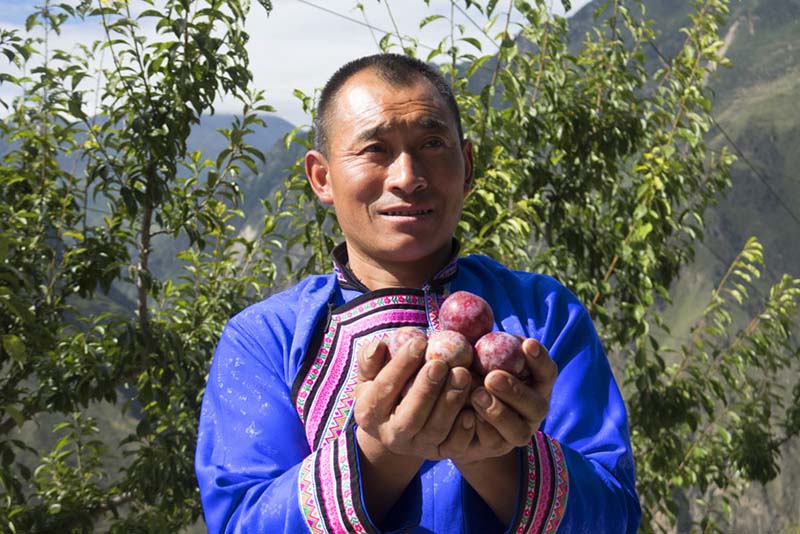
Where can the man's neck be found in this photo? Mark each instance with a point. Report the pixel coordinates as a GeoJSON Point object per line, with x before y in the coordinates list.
{"type": "Point", "coordinates": [375, 274]}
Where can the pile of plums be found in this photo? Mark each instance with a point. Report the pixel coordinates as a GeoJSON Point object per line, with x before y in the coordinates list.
{"type": "Point", "coordinates": [466, 338]}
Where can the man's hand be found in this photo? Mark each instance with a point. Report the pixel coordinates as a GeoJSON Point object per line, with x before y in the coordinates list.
{"type": "Point", "coordinates": [398, 429]}
{"type": "Point", "coordinates": [509, 411]}
{"type": "Point", "coordinates": [426, 421]}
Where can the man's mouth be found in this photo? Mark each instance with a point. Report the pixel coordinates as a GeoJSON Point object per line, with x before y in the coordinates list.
{"type": "Point", "coordinates": [406, 213]}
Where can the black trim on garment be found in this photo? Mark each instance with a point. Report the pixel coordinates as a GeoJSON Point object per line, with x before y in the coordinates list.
{"type": "Point", "coordinates": [355, 479]}
{"type": "Point", "coordinates": [320, 327]}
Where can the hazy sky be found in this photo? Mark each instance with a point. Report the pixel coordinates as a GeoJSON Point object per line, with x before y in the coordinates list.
{"type": "Point", "coordinates": [298, 45]}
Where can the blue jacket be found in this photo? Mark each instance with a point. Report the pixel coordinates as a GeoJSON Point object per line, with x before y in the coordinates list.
{"type": "Point", "coordinates": [276, 447]}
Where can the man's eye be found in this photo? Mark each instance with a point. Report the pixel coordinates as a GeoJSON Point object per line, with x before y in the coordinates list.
{"type": "Point", "coordinates": [434, 143]}
{"type": "Point", "coordinates": [375, 148]}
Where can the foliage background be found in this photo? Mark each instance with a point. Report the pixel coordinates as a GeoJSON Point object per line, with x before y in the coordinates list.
{"type": "Point", "coordinates": [123, 253]}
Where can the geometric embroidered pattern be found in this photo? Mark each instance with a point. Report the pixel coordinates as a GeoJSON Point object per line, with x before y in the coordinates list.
{"type": "Point", "coordinates": [547, 481]}
{"type": "Point", "coordinates": [309, 500]}
{"type": "Point", "coordinates": [561, 491]}
{"type": "Point", "coordinates": [329, 492]}
{"type": "Point", "coordinates": [324, 393]}
{"type": "Point", "coordinates": [432, 300]}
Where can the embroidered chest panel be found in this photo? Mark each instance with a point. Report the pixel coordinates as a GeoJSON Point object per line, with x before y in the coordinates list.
{"type": "Point", "coordinates": [323, 392]}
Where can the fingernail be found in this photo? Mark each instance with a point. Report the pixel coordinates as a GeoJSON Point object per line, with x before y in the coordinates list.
{"type": "Point", "coordinates": [437, 370]}
{"type": "Point", "coordinates": [416, 347]}
{"type": "Point", "coordinates": [532, 348]}
{"type": "Point", "coordinates": [370, 348]}
{"type": "Point", "coordinates": [499, 382]}
{"type": "Point", "coordinates": [468, 421]}
{"type": "Point", "coordinates": [481, 398]}
{"type": "Point", "coordinates": [459, 380]}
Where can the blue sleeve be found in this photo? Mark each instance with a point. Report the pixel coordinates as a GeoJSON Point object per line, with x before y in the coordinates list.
{"type": "Point", "coordinates": [577, 473]}
{"type": "Point", "coordinates": [247, 477]}
{"type": "Point", "coordinates": [580, 466]}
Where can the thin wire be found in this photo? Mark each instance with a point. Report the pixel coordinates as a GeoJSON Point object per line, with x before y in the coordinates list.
{"type": "Point", "coordinates": [355, 21]}
{"type": "Point", "coordinates": [757, 172]}
{"type": "Point", "coordinates": [345, 17]}
{"type": "Point", "coordinates": [480, 29]}
{"type": "Point", "coordinates": [394, 23]}
{"type": "Point", "coordinates": [371, 31]}
{"type": "Point", "coordinates": [740, 152]}
{"type": "Point", "coordinates": [713, 252]}
{"type": "Point", "coordinates": [365, 23]}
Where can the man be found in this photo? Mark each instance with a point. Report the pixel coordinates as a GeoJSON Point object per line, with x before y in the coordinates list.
{"type": "Point", "coordinates": [306, 426]}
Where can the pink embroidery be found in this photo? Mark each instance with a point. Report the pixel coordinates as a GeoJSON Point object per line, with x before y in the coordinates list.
{"type": "Point", "coordinates": [562, 486]}
{"type": "Point", "coordinates": [341, 411]}
{"type": "Point", "coordinates": [326, 491]}
{"type": "Point", "coordinates": [546, 496]}
{"type": "Point", "coordinates": [307, 496]}
{"type": "Point", "coordinates": [313, 373]}
{"type": "Point", "coordinates": [432, 300]}
{"type": "Point", "coordinates": [329, 483]}
{"type": "Point", "coordinates": [347, 489]}
{"type": "Point", "coordinates": [324, 497]}
{"type": "Point", "coordinates": [330, 383]}
{"type": "Point", "coordinates": [527, 506]}
{"type": "Point", "coordinates": [339, 366]}
{"type": "Point", "coordinates": [544, 490]}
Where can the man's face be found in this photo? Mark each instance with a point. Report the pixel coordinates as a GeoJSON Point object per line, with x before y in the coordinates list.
{"type": "Point", "coordinates": [395, 171]}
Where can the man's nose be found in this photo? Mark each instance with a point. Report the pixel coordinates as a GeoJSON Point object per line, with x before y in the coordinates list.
{"type": "Point", "coordinates": [405, 174]}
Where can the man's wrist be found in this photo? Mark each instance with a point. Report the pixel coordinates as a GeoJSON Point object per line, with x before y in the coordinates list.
{"type": "Point", "coordinates": [496, 480]}
{"type": "Point", "coordinates": [375, 455]}
{"type": "Point", "coordinates": [496, 464]}
{"type": "Point", "coordinates": [384, 474]}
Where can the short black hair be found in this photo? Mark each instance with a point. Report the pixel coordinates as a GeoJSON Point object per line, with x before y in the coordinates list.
{"type": "Point", "coordinates": [395, 69]}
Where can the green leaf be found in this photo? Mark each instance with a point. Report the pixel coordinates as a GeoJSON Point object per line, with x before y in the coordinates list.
{"type": "Point", "coordinates": [14, 348]}
{"type": "Point", "coordinates": [63, 442]}
{"type": "Point", "coordinates": [642, 232]}
{"type": "Point", "coordinates": [267, 5]}
{"type": "Point", "coordinates": [473, 41]}
{"type": "Point", "coordinates": [427, 20]}
{"type": "Point", "coordinates": [32, 21]}
{"type": "Point", "coordinates": [598, 12]}
{"type": "Point", "coordinates": [15, 414]}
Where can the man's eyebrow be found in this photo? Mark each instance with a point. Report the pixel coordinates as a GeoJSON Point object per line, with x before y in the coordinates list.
{"type": "Point", "coordinates": [425, 123]}
{"type": "Point", "coordinates": [431, 123]}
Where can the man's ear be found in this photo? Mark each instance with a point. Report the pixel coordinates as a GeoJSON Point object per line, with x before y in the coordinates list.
{"type": "Point", "coordinates": [469, 167]}
{"type": "Point", "coordinates": [317, 174]}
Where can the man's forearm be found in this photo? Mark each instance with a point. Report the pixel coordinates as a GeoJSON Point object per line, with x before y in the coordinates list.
{"type": "Point", "coordinates": [496, 480]}
{"type": "Point", "coordinates": [384, 475]}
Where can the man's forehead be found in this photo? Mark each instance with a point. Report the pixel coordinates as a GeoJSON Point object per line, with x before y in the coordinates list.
{"type": "Point", "coordinates": [368, 102]}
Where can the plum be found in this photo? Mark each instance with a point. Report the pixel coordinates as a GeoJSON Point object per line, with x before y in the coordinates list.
{"type": "Point", "coordinates": [467, 313]}
{"type": "Point", "coordinates": [500, 350]}
{"type": "Point", "coordinates": [451, 346]}
{"type": "Point", "coordinates": [401, 336]}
